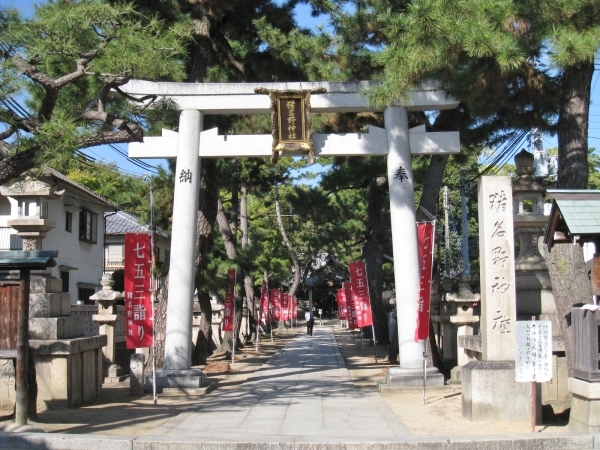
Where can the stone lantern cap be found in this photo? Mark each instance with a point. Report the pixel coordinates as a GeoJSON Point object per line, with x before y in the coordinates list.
{"type": "Point", "coordinates": [30, 187]}
{"type": "Point", "coordinates": [107, 297]}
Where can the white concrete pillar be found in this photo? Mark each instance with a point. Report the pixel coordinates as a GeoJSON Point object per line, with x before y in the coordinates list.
{"type": "Point", "coordinates": [404, 236]}
{"type": "Point", "coordinates": [178, 352]}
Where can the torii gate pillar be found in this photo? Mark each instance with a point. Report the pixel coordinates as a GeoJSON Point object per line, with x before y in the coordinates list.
{"type": "Point", "coordinates": [177, 372]}
{"type": "Point", "coordinates": [406, 254]}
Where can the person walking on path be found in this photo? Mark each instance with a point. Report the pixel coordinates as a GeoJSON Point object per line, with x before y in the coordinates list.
{"type": "Point", "coordinates": [310, 321]}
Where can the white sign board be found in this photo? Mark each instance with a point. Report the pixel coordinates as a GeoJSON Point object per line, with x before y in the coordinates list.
{"type": "Point", "coordinates": [533, 361]}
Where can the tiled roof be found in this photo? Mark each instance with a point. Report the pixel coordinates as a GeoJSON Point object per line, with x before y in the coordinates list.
{"type": "Point", "coordinates": [581, 216]}
{"type": "Point", "coordinates": [121, 223]}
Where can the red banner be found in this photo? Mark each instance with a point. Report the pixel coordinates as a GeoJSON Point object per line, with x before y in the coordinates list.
{"type": "Point", "coordinates": [285, 307]}
{"type": "Point", "coordinates": [342, 306]}
{"type": "Point", "coordinates": [360, 293]}
{"type": "Point", "coordinates": [275, 297]}
{"type": "Point", "coordinates": [138, 298]}
{"type": "Point", "coordinates": [229, 310]}
{"type": "Point", "coordinates": [294, 308]}
{"type": "Point", "coordinates": [425, 238]}
{"type": "Point", "coordinates": [264, 303]}
{"type": "Point", "coordinates": [352, 320]}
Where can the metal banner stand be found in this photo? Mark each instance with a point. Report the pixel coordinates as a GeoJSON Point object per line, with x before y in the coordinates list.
{"type": "Point", "coordinates": [374, 342]}
{"type": "Point", "coordinates": [257, 330]}
{"type": "Point", "coordinates": [271, 323]}
{"type": "Point", "coordinates": [233, 335]}
{"type": "Point", "coordinates": [424, 371]}
{"type": "Point", "coordinates": [153, 290]}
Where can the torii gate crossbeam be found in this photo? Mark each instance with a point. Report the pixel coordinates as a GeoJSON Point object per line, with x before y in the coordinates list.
{"type": "Point", "coordinates": [190, 145]}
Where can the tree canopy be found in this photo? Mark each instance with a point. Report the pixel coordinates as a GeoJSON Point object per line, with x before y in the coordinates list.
{"type": "Point", "coordinates": [60, 73]}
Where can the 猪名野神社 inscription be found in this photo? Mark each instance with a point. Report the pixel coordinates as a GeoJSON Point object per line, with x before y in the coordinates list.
{"type": "Point", "coordinates": [498, 299]}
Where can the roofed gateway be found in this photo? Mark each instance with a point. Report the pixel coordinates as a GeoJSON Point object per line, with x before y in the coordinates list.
{"type": "Point", "coordinates": [191, 144]}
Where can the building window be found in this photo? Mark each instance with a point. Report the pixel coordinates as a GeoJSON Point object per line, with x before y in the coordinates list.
{"type": "Point", "coordinates": [64, 276]}
{"type": "Point", "coordinates": [84, 293]}
{"type": "Point", "coordinates": [88, 226]}
{"type": "Point", "coordinates": [69, 221]}
{"type": "Point", "coordinates": [113, 257]}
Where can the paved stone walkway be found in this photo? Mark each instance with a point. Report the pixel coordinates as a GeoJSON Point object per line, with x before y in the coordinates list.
{"type": "Point", "coordinates": [301, 399]}
{"type": "Point", "coordinates": [303, 393]}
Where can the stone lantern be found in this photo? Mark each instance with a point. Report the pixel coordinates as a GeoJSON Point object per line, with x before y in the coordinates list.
{"type": "Point", "coordinates": [32, 223]}
{"type": "Point", "coordinates": [107, 319]}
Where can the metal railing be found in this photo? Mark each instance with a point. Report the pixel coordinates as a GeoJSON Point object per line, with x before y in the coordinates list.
{"type": "Point", "coordinates": [114, 263]}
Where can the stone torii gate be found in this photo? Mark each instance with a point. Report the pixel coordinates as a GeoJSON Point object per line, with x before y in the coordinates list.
{"type": "Point", "coordinates": [190, 145]}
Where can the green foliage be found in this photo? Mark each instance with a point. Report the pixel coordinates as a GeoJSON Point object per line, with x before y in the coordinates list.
{"type": "Point", "coordinates": [594, 166]}
{"type": "Point", "coordinates": [63, 63]}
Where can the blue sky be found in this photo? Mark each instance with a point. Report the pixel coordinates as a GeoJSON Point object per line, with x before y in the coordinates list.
{"type": "Point", "coordinates": [303, 17]}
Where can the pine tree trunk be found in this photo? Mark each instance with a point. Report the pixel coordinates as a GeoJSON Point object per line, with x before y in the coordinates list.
{"type": "Point", "coordinates": [289, 247]}
{"type": "Point", "coordinates": [160, 325]}
{"type": "Point", "coordinates": [207, 214]}
{"type": "Point", "coordinates": [244, 229]}
{"type": "Point", "coordinates": [570, 287]}
{"type": "Point", "coordinates": [570, 283]}
{"type": "Point", "coordinates": [372, 252]}
{"type": "Point", "coordinates": [572, 127]}
{"type": "Point", "coordinates": [204, 343]}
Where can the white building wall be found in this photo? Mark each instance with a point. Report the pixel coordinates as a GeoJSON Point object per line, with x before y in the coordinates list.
{"type": "Point", "coordinates": [85, 259]}
{"type": "Point", "coordinates": [88, 258]}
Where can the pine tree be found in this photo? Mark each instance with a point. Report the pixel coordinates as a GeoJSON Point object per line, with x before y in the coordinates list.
{"type": "Point", "coordinates": [59, 70]}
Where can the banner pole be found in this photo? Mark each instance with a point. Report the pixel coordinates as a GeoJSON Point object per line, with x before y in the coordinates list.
{"type": "Point", "coordinates": [424, 371]}
{"type": "Point", "coordinates": [257, 328]}
{"type": "Point", "coordinates": [374, 342]}
{"type": "Point", "coordinates": [271, 322]}
{"type": "Point", "coordinates": [233, 333]}
{"type": "Point", "coordinates": [153, 287]}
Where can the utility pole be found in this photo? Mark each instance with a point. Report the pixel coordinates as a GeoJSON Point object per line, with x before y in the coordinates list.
{"type": "Point", "coordinates": [464, 225]}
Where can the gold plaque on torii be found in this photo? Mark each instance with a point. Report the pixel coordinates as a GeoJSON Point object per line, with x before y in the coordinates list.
{"type": "Point", "coordinates": [290, 118]}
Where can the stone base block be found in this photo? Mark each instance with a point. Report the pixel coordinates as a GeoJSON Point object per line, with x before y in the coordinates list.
{"type": "Point", "coordinates": [49, 305]}
{"type": "Point", "coordinates": [398, 378]}
{"type": "Point", "coordinates": [51, 328]}
{"type": "Point", "coordinates": [585, 406]}
{"type": "Point", "coordinates": [117, 379]}
{"type": "Point", "coordinates": [174, 392]}
{"type": "Point", "coordinates": [45, 285]}
{"type": "Point", "coordinates": [7, 384]}
{"type": "Point", "coordinates": [177, 379]}
{"type": "Point", "coordinates": [490, 392]}
{"type": "Point", "coordinates": [455, 375]}
{"type": "Point", "coordinates": [68, 371]}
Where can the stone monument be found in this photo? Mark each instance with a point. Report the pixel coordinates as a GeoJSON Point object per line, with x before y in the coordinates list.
{"type": "Point", "coordinates": [489, 389]}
